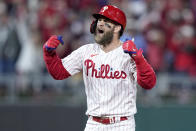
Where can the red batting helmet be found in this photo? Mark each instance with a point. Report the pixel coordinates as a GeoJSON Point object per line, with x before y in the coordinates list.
{"type": "Point", "coordinates": [113, 13]}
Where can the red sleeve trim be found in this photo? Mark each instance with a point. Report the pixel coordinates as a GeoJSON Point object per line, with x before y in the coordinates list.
{"type": "Point", "coordinates": [146, 76]}
{"type": "Point", "coordinates": [54, 65]}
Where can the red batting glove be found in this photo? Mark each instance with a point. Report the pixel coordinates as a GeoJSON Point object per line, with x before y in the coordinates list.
{"type": "Point", "coordinates": [130, 48]}
{"type": "Point", "coordinates": [53, 42]}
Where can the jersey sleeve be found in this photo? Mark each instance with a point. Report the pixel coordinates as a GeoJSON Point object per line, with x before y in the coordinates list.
{"type": "Point", "coordinates": [146, 76]}
{"type": "Point", "coordinates": [54, 65]}
{"type": "Point", "coordinates": [73, 62]}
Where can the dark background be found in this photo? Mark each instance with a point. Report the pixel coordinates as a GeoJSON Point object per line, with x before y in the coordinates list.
{"type": "Point", "coordinates": [62, 118]}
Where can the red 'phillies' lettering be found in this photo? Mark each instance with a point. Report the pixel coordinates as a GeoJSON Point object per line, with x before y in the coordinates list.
{"type": "Point", "coordinates": [104, 71]}
{"type": "Point", "coordinates": [88, 66]}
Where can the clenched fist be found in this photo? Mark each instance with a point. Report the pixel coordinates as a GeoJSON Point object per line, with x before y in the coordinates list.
{"type": "Point", "coordinates": [130, 48]}
{"type": "Point", "coordinates": [53, 42]}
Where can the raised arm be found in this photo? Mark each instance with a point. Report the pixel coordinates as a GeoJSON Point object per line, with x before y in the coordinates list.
{"type": "Point", "coordinates": [146, 77]}
{"type": "Point", "coordinates": [53, 62]}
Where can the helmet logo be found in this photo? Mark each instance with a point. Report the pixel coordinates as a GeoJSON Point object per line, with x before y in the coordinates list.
{"type": "Point", "coordinates": [104, 8]}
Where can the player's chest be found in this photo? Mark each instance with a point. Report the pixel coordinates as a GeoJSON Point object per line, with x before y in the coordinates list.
{"type": "Point", "coordinates": [106, 66]}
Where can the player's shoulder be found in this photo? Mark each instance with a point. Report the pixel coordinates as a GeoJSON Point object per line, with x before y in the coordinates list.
{"type": "Point", "coordinates": [89, 47]}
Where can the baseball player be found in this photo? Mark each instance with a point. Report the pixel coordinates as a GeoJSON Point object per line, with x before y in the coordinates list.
{"type": "Point", "coordinates": [111, 71]}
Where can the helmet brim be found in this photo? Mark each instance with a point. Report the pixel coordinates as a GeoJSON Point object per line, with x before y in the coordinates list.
{"type": "Point", "coordinates": [97, 16]}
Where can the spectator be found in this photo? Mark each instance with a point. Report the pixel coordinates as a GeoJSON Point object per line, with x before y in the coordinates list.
{"type": "Point", "coordinates": [9, 42]}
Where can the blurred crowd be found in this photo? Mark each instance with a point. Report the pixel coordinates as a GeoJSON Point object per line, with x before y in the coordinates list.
{"type": "Point", "coordinates": [164, 29]}
{"type": "Point", "coordinates": [26, 24]}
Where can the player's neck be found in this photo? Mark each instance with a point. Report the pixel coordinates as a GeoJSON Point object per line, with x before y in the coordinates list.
{"type": "Point", "coordinates": [115, 43]}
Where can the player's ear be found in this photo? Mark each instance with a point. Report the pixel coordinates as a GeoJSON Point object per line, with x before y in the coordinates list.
{"type": "Point", "coordinates": [117, 28]}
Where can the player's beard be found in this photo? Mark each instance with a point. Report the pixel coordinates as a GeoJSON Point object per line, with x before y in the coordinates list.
{"type": "Point", "coordinates": [104, 39]}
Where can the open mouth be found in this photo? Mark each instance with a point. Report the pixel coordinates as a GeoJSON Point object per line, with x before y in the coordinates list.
{"type": "Point", "coordinates": [100, 31]}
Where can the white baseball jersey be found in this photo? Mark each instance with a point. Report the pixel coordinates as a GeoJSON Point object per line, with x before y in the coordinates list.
{"type": "Point", "coordinates": [109, 78]}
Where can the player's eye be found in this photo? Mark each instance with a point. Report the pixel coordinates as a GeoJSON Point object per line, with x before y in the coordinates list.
{"type": "Point", "coordinates": [109, 26]}
{"type": "Point", "coordinates": [101, 19]}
